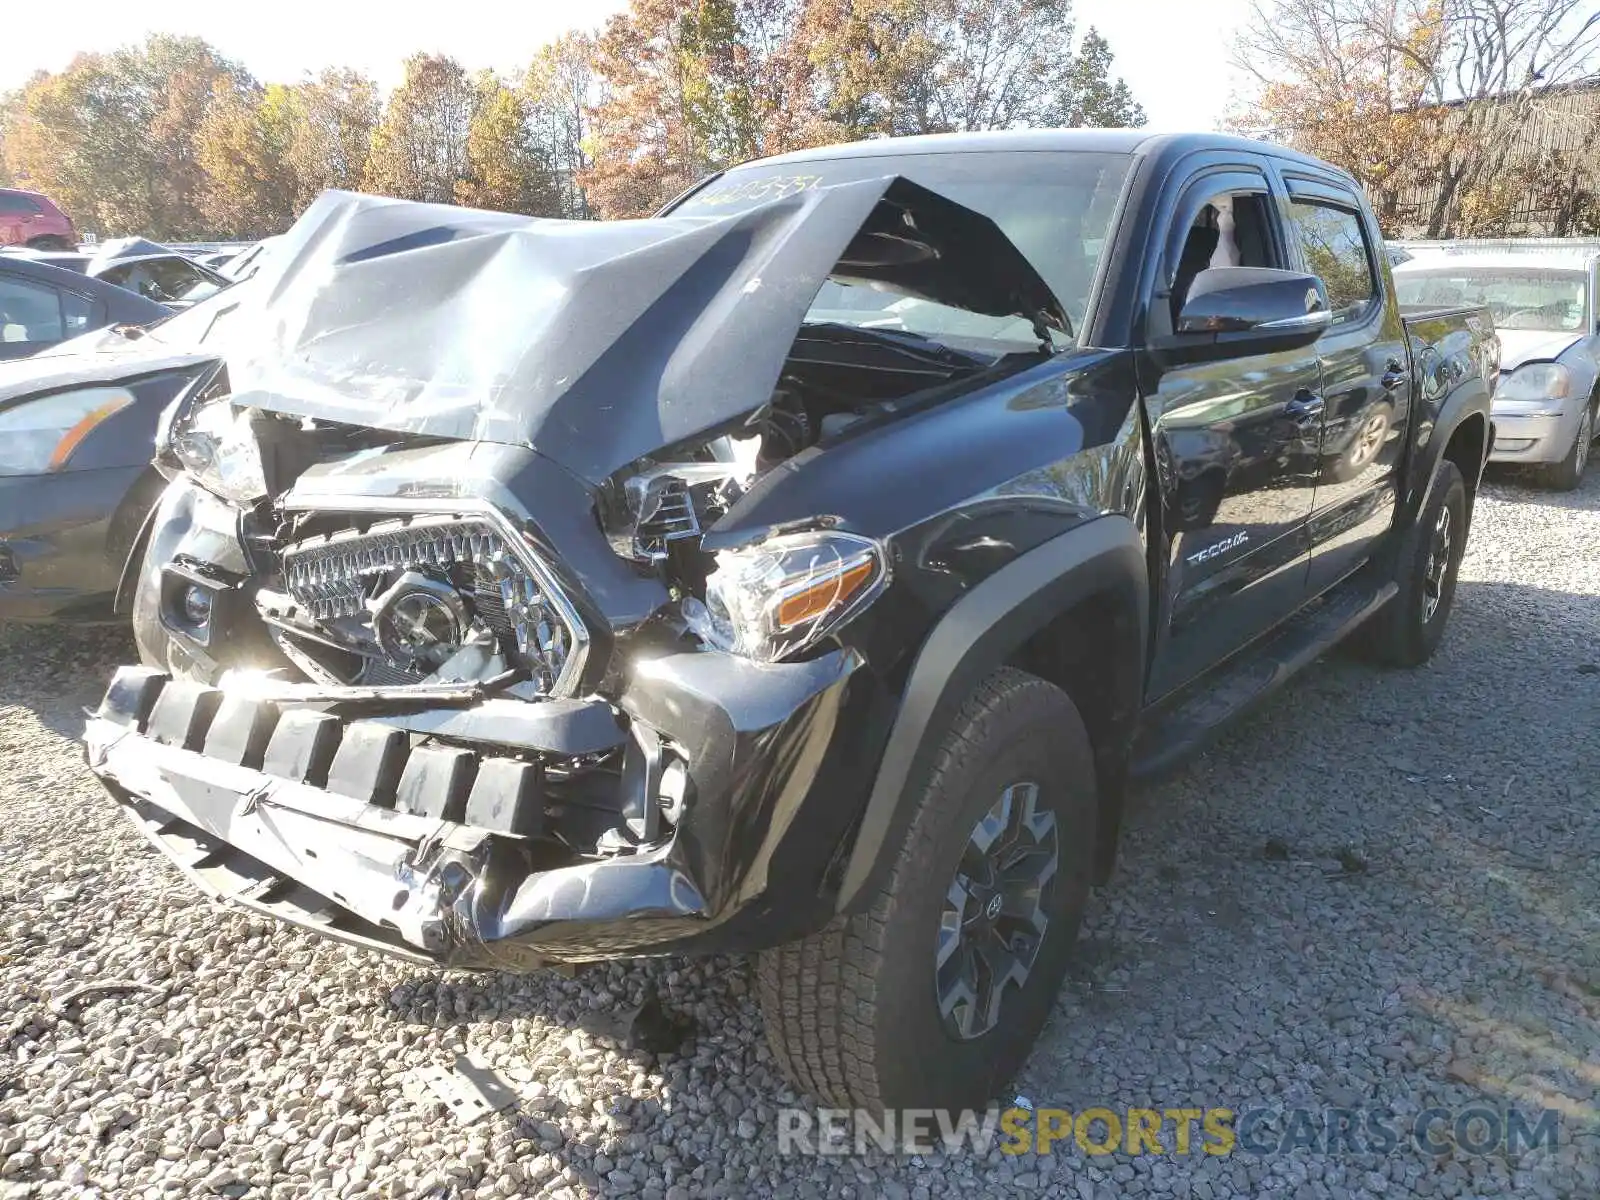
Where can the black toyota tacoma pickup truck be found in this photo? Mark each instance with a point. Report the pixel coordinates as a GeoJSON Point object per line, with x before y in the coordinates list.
{"type": "Point", "coordinates": [805, 571]}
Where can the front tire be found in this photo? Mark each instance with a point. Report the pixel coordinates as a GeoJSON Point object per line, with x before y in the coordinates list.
{"type": "Point", "coordinates": [933, 995]}
{"type": "Point", "coordinates": [50, 242]}
{"type": "Point", "coordinates": [1567, 474]}
{"type": "Point", "coordinates": [1409, 628]}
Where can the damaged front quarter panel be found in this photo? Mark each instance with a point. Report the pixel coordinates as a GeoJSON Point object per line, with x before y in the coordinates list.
{"type": "Point", "coordinates": [489, 519]}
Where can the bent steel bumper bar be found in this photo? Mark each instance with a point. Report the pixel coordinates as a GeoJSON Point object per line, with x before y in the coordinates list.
{"type": "Point", "coordinates": [366, 828]}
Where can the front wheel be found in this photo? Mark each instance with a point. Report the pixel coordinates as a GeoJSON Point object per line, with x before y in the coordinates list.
{"type": "Point", "coordinates": [1568, 473]}
{"type": "Point", "coordinates": [1408, 629]}
{"type": "Point", "coordinates": [933, 995]}
{"type": "Point", "coordinates": [50, 242]}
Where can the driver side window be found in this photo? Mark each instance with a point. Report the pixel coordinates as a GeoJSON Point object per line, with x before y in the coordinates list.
{"type": "Point", "coordinates": [1230, 230]}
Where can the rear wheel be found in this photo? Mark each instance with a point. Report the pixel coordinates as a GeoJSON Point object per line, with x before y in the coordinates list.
{"type": "Point", "coordinates": [1568, 473]}
{"type": "Point", "coordinates": [933, 996]}
{"type": "Point", "coordinates": [1408, 629]}
{"type": "Point", "coordinates": [50, 242]}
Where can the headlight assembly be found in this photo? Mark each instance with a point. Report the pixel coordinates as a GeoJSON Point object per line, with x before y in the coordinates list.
{"type": "Point", "coordinates": [216, 444]}
{"type": "Point", "coordinates": [772, 600]}
{"type": "Point", "coordinates": [1536, 381]}
{"type": "Point", "coordinates": [39, 436]}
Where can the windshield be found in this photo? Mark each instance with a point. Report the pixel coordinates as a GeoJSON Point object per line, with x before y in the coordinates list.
{"type": "Point", "coordinates": [164, 280]}
{"type": "Point", "coordinates": [1055, 207]}
{"type": "Point", "coordinates": [1520, 298]}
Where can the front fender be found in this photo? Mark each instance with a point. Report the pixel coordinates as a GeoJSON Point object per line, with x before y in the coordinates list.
{"type": "Point", "coordinates": [1468, 401]}
{"type": "Point", "coordinates": [979, 634]}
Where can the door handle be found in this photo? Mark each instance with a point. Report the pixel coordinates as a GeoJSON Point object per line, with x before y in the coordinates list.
{"type": "Point", "coordinates": [1393, 377]}
{"type": "Point", "coordinates": [1305, 408]}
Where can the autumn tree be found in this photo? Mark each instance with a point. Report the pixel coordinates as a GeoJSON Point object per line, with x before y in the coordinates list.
{"type": "Point", "coordinates": [558, 91]}
{"type": "Point", "coordinates": [113, 137]}
{"type": "Point", "coordinates": [1089, 96]}
{"type": "Point", "coordinates": [331, 119]}
{"type": "Point", "coordinates": [505, 167]}
{"type": "Point", "coordinates": [242, 147]}
{"type": "Point", "coordinates": [936, 66]}
{"type": "Point", "coordinates": [419, 147]}
{"type": "Point", "coordinates": [1430, 100]}
{"type": "Point", "coordinates": [695, 85]}
{"type": "Point", "coordinates": [689, 85]}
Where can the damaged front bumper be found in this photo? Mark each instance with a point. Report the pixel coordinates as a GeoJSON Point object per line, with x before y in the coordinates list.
{"type": "Point", "coordinates": [430, 832]}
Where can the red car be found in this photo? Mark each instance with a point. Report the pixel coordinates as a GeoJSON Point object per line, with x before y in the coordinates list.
{"type": "Point", "coordinates": [29, 219]}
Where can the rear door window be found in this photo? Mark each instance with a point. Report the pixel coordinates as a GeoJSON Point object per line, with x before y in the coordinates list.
{"type": "Point", "coordinates": [29, 312]}
{"type": "Point", "coordinates": [77, 314]}
{"type": "Point", "coordinates": [1336, 251]}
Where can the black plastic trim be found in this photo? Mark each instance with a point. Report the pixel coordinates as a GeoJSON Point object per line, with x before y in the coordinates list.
{"type": "Point", "coordinates": [985, 627]}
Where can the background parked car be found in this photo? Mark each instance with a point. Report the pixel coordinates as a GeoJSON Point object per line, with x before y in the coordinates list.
{"type": "Point", "coordinates": [42, 305]}
{"type": "Point", "coordinates": [154, 271]}
{"type": "Point", "coordinates": [1543, 298]}
{"type": "Point", "coordinates": [77, 435]}
{"type": "Point", "coordinates": [29, 219]}
{"type": "Point", "coordinates": [66, 260]}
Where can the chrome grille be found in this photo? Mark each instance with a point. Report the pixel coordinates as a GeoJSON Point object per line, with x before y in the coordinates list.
{"type": "Point", "coordinates": [333, 576]}
{"type": "Point", "coordinates": [329, 576]}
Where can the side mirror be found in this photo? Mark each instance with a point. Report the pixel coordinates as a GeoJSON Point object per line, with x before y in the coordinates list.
{"type": "Point", "coordinates": [1247, 305]}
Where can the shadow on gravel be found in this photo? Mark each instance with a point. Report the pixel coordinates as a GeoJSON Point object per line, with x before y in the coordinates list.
{"type": "Point", "coordinates": [57, 671]}
{"type": "Point", "coordinates": [1520, 486]}
{"type": "Point", "coordinates": [597, 1034]}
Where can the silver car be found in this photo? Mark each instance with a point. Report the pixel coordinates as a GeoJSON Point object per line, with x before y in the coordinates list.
{"type": "Point", "coordinates": [1543, 301]}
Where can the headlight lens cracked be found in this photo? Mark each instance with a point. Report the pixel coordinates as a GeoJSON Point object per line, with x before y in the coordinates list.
{"type": "Point", "coordinates": [216, 444]}
{"type": "Point", "coordinates": [772, 600]}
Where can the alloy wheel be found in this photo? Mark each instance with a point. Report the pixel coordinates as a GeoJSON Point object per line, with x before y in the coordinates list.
{"type": "Point", "coordinates": [1438, 570]}
{"type": "Point", "coordinates": [994, 919]}
{"type": "Point", "coordinates": [1585, 437]}
{"type": "Point", "coordinates": [1370, 440]}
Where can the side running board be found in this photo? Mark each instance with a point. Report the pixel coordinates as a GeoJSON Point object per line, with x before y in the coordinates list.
{"type": "Point", "coordinates": [1180, 728]}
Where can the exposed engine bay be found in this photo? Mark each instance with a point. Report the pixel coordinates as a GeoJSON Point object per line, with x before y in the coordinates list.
{"type": "Point", "coordinates": [835, 377]}
{"type": "Point", "coordinates": [387, 599]}
{"type": "Point", "coordinates": [652, 407]}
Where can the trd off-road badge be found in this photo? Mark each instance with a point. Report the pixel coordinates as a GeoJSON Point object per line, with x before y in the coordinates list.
{"type": "Point", "coordinates": [1231, 542]}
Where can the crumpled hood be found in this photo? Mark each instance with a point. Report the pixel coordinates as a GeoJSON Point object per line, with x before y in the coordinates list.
{"type": "Point", "coordinates": [593, 343]}
{"type": "Point", "coordinates": [1518, 346]}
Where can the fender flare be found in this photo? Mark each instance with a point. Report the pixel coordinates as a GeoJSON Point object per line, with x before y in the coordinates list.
{"type": "Point", "coordinates": [979, 633]}
{"type": "Point", "coordinates": [1464, 402]}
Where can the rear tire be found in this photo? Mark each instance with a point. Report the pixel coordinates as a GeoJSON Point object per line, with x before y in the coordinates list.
{"type": "Point", "coordinates": [50, 242]}
{"type": "Point", "coordinates": [1567, 474]}
{"type": "Point", "coordinates": [889, 1008]}
{"type": "Point", "coordinates": [1408, 629]}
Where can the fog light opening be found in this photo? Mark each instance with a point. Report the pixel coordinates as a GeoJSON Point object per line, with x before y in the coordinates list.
{"type": "Point", "coordinates": [672, 795]}
{"type": "Point", "coordinates": [196, 606]}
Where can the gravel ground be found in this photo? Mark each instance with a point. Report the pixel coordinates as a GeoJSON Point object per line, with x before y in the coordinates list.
{"type": "Point", "coordinates": [1381, 892]}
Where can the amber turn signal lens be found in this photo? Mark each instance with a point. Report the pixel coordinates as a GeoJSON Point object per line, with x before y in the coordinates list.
{"type": "Point", "coordinates": [824, 595]}
{"type": "Point", "coordinates": [70, 440]}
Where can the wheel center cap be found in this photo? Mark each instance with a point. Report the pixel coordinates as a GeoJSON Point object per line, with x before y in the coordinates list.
{"type": "Point", "coordinates": [992, 909]}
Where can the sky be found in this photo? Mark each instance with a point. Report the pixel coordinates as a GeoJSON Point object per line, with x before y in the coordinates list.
{"type": "Point", "coordinates": [1173, 53]}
